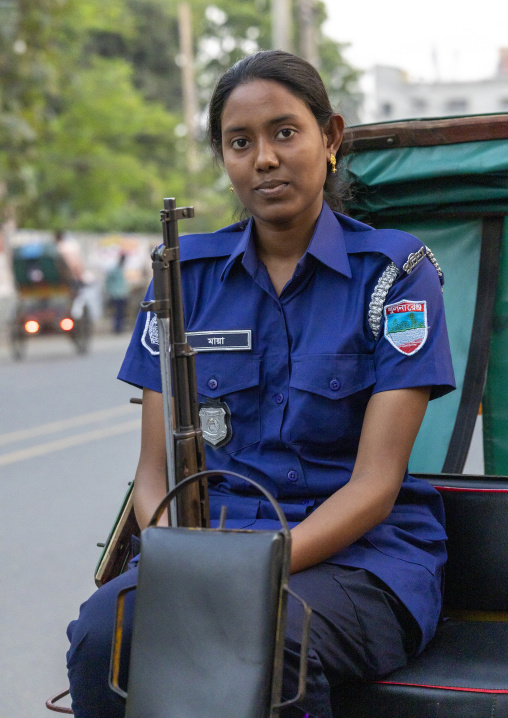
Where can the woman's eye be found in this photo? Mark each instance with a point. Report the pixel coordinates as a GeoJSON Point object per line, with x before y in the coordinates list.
{"type": "Point", "coordinates": [285, 133]}
{"type": "Point", "coordinates": [239, 144]}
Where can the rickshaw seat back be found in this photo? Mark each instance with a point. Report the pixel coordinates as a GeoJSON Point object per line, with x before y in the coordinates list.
{"type": "Point", "coordinates": [476, 574]}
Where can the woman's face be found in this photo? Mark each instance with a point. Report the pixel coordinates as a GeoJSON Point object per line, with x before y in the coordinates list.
{"type": "Point", "coordinates": [276, 154]}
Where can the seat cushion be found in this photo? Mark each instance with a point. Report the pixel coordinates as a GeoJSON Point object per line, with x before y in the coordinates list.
{"type": "Point", "coordinates": [463, 673]}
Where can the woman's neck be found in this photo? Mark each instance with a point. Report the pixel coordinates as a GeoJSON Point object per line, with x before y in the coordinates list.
{"type": "Point", "coordinates": [286, 243]}
{"type": "Point", "coordinates": [280, 251]}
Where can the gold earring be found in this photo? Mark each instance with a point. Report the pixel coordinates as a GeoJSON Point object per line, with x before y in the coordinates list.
{"type": "Point", "coordinates": [333, 162]}
{"type": "Point", "coordinates": [231, 188]}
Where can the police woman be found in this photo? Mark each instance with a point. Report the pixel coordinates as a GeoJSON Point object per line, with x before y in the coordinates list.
{"type": "Point", "coordinates": [321, 352]}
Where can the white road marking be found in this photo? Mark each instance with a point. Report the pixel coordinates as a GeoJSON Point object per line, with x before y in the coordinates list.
{"type": "Point", "coordinates": [59, 444]}
{"type": "Point", "coordinates": [64, 424]}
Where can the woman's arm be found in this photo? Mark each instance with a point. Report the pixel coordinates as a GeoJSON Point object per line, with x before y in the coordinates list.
{"type": "Point", "coordinates": [390, 426]}
{"type": "Point", "coordinates": [150, 481]}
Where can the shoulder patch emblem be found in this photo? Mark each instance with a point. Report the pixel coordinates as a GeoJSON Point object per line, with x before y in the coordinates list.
{"type": "Point", "coordinates": [150, 336]}
{"type": "Point", "coordinates": [406, 325]}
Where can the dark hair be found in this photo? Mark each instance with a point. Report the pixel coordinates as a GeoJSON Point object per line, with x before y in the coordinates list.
{"type": "Point", "coordinates": [300, 78]}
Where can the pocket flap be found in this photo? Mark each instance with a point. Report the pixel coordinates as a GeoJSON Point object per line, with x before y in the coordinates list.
{"type": "Point", "coordinates": [333, 375]}
{"type": "Point", "coordinates": [221, 373]}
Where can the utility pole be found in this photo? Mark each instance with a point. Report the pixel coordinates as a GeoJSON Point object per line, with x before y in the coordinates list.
{"type": "Point", "coordinates": [190, 101]}
{"type": "Point", "coordinates": [308, 31]}
{"type": "Point", "coordinates": [281, 25]}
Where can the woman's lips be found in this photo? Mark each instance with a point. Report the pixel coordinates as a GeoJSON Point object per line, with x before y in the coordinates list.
{"type": "Point", "coordinates": [272, 189]}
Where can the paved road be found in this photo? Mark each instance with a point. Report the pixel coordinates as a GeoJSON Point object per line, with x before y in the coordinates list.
{"type": "Point", "coordinates": [68, 447]}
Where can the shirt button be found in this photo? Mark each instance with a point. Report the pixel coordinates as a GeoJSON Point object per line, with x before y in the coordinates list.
{"type": "Point", "coordinates": [293, 475]}
{"type": "Point", "coordinates": [335, 385]}
{"type": "Point", "coordinates": [279, 398]}
{"type": "Point", "coordinates": [213, 383]}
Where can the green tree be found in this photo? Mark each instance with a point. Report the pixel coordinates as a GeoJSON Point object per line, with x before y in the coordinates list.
{"type": "Point", "coordinates": [80, 146]}
{"type": "Point", "coordinates": [103, 159]}
{"type": "Point", "coordinates": [91, 121]}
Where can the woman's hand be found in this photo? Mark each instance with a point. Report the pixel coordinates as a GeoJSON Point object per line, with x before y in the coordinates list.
{"type": "Point", "coordinates": [150, 481]}
{"type": "Point", "coordinates": [390, 426]}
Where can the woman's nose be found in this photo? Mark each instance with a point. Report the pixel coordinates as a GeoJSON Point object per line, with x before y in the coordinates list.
{"type": "Point", "coordinates": [266, 156]}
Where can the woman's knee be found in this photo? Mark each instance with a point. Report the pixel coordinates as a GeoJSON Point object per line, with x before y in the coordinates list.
{"type": "Point", "coordinates": [90, 639]}
{"type": "Point", "coordinates": [97, 614]}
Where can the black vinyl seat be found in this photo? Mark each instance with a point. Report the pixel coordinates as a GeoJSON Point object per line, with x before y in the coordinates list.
{"type": "Point", "coordinates": [463, 672]}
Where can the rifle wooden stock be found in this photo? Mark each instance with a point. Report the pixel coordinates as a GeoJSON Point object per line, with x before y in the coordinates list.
{"type": "Point", "coordinates": [117, 550]}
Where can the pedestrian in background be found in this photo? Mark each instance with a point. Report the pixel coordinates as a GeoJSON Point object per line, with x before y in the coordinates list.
{"type": "Point", "coordinates": [117, 292]}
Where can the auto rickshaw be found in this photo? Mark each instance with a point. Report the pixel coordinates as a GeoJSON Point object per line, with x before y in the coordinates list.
{"type": "Point", "coordinates": [48, 300]}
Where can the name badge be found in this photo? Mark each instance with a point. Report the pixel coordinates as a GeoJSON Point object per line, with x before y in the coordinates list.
{"type": "Point", "coordinates": [228, 340]}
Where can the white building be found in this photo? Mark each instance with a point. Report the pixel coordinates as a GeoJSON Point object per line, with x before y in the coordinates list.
{"type": "Point", "coordinates": [389, 94]}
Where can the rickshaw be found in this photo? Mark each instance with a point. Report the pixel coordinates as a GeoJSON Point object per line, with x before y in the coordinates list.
{"type": "Point", "coordinates": [446, 181]}
{"type": "Point", "coordinates": [48, 300]}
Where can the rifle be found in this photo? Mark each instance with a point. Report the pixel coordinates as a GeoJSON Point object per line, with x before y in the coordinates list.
{"type": "Point", "coordinates": [184, 440]}
{"type": "Point", "coordinates": [165, 617]}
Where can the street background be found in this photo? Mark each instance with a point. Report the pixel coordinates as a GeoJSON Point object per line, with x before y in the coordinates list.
{"type": "Point", "coordinates": [69, 440]}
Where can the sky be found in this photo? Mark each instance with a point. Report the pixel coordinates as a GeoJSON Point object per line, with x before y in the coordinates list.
{"type": "Point", "coordinates": [433, 40]}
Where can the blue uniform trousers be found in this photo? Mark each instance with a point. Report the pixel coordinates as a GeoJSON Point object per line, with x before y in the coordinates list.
{"type": "Point", "coordinates": [359, 630]}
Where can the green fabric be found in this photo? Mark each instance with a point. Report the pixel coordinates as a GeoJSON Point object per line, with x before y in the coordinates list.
{"type": "Point", "coordinates": [466, 177]}
{"type": "Point", "coordinates": [495, 402]}
{"type": "Point", "coordinates": [409, 189]}
{"type": "Point", "coordinates": [456, 246]}
{"type": "Point", "coordinates": [379, 167]}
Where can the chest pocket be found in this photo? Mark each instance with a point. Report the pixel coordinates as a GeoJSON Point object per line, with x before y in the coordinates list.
{"type": "Point", "coordinates": [234, 379]}
{"type": "Point", "coordinates": [328, 397]}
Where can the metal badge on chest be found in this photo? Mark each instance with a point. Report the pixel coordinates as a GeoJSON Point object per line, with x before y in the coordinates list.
{"type": "Point", "coordinates": [215, 418]}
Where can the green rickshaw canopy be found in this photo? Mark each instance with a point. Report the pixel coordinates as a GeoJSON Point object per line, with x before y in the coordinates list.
{"type": "Point", "coordinates": [446, 181]}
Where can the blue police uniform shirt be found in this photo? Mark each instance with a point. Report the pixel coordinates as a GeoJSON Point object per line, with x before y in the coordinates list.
{"type": "Point", "coordinates": [292, 376]}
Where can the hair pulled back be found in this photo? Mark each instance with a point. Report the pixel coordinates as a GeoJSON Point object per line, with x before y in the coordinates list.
{"type": "Point", "coordinates": [296, 75]}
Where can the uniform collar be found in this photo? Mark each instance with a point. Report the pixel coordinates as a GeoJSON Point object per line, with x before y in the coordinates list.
{"type": "Point", "coordinates": [327, 245]}
{"type": "Point", "coordinates": [245, 242]}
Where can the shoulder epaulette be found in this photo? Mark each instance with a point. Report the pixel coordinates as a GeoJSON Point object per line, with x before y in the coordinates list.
{"type": "Point", "coordinates": [404, 250]}
{"type": "Point", "coordinates": [393, 243]}
{"type": "Point", "coordinates": [405, 253]}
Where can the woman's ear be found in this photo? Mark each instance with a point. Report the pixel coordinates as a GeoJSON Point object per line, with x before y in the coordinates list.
{"type": "Point", "coordinates": [334, 132]}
